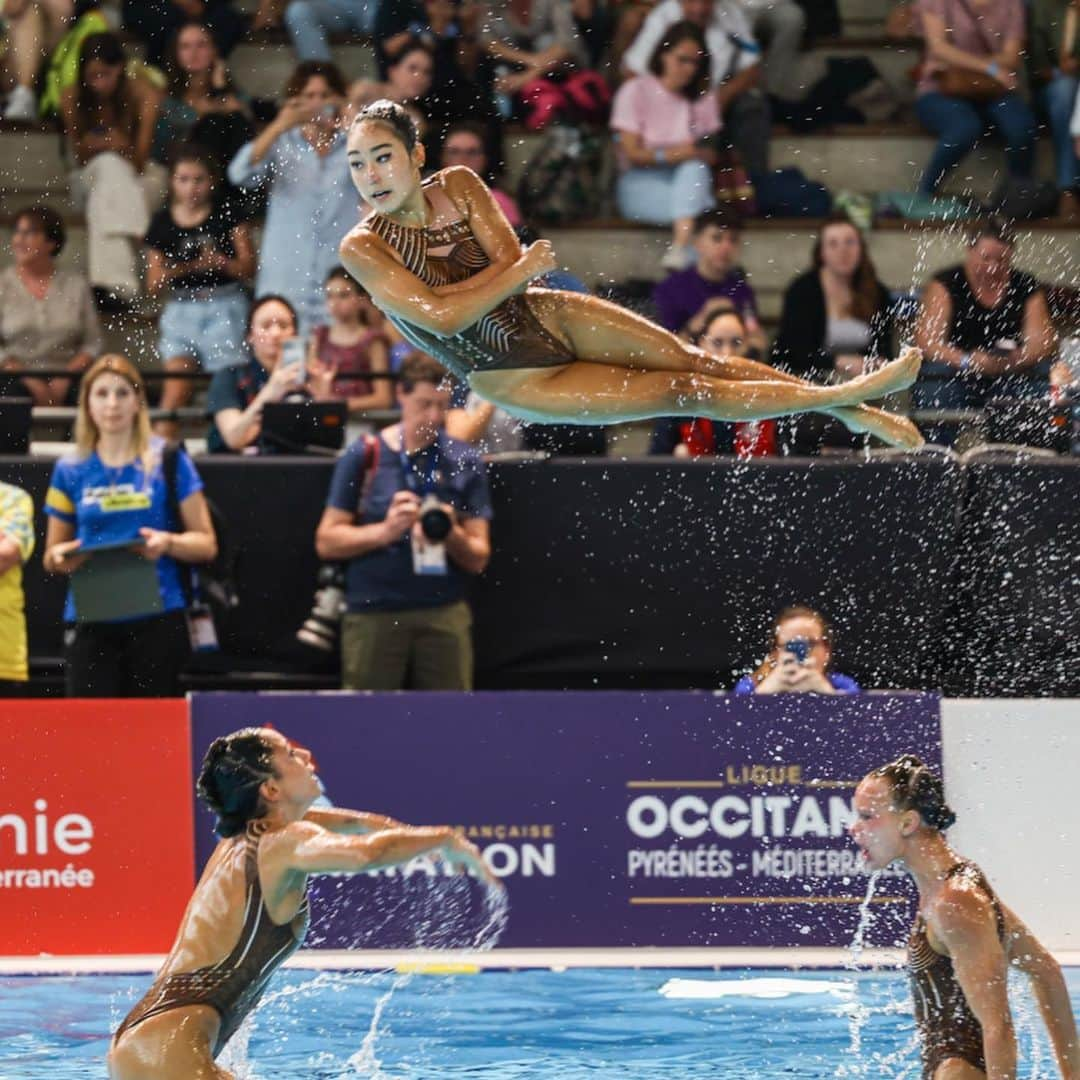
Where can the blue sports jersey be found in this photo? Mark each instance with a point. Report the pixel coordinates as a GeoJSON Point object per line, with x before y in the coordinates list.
{"type": "Point", "coordinates": [107, 505]}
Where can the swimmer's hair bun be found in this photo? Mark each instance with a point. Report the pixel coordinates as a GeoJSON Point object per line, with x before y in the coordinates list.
{"type": "Point", "coordinates": [233, 770]}
{"type": "Point", "coordinates": [393, 116]}
{"type": "Point", "coordinates": [915, 787]}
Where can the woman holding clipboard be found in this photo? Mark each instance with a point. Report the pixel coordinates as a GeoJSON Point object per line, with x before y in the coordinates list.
{"type": "Point", "coordinates": [111, 529]}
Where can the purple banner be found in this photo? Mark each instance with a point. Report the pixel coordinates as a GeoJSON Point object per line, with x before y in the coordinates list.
{"type": "Point", "coordinates": [650, 819]}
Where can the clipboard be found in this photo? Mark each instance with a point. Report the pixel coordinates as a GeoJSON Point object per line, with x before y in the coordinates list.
{"type": "Point", "coordinates": [115, 583]}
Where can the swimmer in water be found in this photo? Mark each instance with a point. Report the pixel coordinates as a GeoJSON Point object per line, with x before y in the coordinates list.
{"type": "Point", "coordinates": [441, 261]}
{"type": "Point", "coordinates": [250, 910]}
{"type": "Point", "coordinates": [964, 938]}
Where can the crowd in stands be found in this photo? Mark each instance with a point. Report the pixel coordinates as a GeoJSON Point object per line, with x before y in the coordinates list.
{"type": "Point", "coordinates": [226, 210]}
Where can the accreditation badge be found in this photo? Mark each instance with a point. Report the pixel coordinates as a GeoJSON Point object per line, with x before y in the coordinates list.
{"type": "Point", "coordinates": [428, 558]}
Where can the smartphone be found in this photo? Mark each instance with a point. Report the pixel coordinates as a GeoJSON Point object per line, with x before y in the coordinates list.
{"type": "Point", "coordinates": [799, 648]}
{"type": "Point", "coordinates": [294, 351]}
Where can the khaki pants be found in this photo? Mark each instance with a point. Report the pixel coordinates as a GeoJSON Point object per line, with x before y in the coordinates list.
{"type": "Point", "coordinates": [423, 648]}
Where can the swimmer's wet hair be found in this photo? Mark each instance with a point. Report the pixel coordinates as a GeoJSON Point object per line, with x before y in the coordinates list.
{"type": "Point", "coordinates": [233, 770]}
{"type": "Point", "coordinates": [393, 116]}
{"type": "Point", "coordinates": [915, 787]}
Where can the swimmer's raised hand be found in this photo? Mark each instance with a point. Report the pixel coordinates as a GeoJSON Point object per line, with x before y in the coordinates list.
{"type": "Point", "coordinates": [539, 258]}
{"type": "Point", "coordinates": [461, 852]}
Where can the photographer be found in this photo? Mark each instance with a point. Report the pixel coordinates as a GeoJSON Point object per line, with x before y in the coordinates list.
{"type": "Point", "coordinates": [408, 513]}
{"type": "Point", "coordinates": [799, 656]}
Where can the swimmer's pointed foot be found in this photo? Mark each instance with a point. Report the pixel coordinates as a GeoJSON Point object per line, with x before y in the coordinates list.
{"type": "Point", "coordinates": [890, 428]}
{"type": "Point", "coordinates": [898, 375]}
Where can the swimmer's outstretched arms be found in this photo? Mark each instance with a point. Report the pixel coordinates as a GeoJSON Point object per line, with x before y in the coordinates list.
{"type": "Point", "coordinates": [964, 938]}
{"type": "Point", "coordinates": [249, 911]}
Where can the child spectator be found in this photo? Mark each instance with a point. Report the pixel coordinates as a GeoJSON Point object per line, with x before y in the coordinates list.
{"type": "Point", "coordinates": [353, 344]}
{"type": "Point", "coordinates": [665, 123]}
{"type": "Point", "coordinates": [200, 254]}
{"type": "Point", "coordinates": [684, 298]}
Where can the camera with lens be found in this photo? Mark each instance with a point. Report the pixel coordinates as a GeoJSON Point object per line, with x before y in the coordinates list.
{"type": "Point", "coordinates": [435, 522]}
{"type": "Point", "coordinates": [321, 627]}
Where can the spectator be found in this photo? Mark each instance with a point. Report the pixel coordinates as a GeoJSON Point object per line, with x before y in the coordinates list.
{"type": "Point", "coordinates": [799, 656]}
{"type": "Point", "coordinates": [312, 202]}
{"type": "Point", "coordinates": [735, 68]}
{"type": "Point", "coordinates": [723, 333]}
{"type": "Point", "coordinates": [665, 124]}
{"type": "Point", "coordinates": [311, 21]}
{"type": "Point", "coordinates": [530, 41]}
{"type": "Point", "coordinates": [16, 546]}
{"type": "Point", "coordinates": [201, 103]}
{"type": "Point", "coordinates": [409, 77]}
{"type": "Point", "coordinates": [685, 297]}
{"type": "Point", "coordinates": [113, 489]}
{"type": "Point", "coordinates": [353, 344]}
{"type": "Point", "coordinates": [155, 22]}
{"type": "Point", "coordinates": [33, 28]}
{"type": "Point", "coordinates": [47, 315]}
{"type": "Point", "coordinates": [109, 119]}
{"type": "Point", "coordinates": [237, 394]}
{"type": "Point", "coordinates": [200, 255]}
{"type": "Point", "coordinates": [465, 144]}
{"type": "Point", "coordinates": [838, 315]}
{"type": "Point", "coordinates": [447, 28]}
{"type": "Point", "coordinates": [969, 80]}
{"type": "Point", "coordinates": [1054, 60]}
{"type": "Point", "coordinates": [984, 329]}
{"type": "Point", "coordinates": [407, 619]}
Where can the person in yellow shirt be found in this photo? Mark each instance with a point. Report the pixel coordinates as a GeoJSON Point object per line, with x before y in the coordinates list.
{"type": "Point", "coordinates": [16, 546]}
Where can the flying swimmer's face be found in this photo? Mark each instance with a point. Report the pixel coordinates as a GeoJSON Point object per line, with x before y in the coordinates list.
{"type": "Point", "coordinates": [384, 172]}
{"type": "Point", "coordinates": [878, 828]}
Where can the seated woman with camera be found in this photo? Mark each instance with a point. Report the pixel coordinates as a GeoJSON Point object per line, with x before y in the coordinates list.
{"type": "Point", "coordinates": [800, 653]}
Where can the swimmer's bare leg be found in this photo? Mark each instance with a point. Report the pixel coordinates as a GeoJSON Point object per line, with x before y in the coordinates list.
{"type": "Point", "coordinates": [890, 427]}
{"type": "Point", "coordinates": [602, 332]}
{"type": "Point", "coordinates": [586, 392]}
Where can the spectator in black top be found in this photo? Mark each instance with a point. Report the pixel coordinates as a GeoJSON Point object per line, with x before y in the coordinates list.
{"type": "Point", "coordinates": [984, 329]}
{"type": "Point", "coordinates": [155, 22]}
{"type": "Point", "coordinates": [837, 316]}
{"type": "Point", "coordinates": [200, 253]}
{"type": "Point", "coordinates": [237, 394]}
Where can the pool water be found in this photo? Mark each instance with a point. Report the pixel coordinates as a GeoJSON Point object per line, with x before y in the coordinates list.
{"type": "Point", "coordinates": [584, 1023]}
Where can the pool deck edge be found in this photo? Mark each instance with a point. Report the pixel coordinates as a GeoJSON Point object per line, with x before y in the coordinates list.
{"type": "Point", "coordinates": [462, 962]}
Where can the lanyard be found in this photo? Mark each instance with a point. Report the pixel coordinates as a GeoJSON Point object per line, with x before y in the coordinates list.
{"type": "Point", "coordinates": [423, 483]}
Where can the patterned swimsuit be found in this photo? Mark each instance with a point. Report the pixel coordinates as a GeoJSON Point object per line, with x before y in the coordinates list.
{"type": "Point", "coordinates": [947, 1026]}
{"type": "Point", "coordinates": [509, 336]}
{"type": "Point", "coordinates": [234, 985]}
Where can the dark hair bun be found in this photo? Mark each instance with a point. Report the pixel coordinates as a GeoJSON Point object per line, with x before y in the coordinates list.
{"type": "Point", "coordinates": [915, 787]}
{"type": "Point", "coordinates": [233, 771]}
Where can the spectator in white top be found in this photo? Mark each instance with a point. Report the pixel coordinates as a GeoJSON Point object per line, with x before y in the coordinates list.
{"type": "Point", "coordinates": [736, 68]}
{"type": "Point", "coordinates": [781, 24]}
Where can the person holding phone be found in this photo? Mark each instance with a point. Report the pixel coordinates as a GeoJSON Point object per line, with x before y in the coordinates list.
{"type": "Point", "coordinates": [113, 489]}
{"type": "Point", "coordinates": [800, 652]}
{"type": "Point", "coordinates": [277, 368]}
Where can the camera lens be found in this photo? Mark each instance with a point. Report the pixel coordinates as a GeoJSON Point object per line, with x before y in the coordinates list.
{"type": "Point", "coordinates": [435, 522]}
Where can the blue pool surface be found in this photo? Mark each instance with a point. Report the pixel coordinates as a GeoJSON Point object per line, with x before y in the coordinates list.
{"type": "Point", "coordinates": [571, 1025]}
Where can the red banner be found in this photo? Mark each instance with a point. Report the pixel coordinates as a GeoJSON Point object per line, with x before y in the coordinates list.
{"type": "Point", "coordinates": [96, 850]}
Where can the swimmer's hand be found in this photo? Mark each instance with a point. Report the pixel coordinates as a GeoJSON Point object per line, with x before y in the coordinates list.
{"type": "Point", "coordinates": [539, 259]}
{"type": "Point", "coordinates": [460, 852]}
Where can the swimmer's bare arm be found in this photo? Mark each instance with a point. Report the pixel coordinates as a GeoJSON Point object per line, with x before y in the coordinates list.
{"type": "Point", "coordinates": [398, 292]}
{"type": "Point", "coordinates": [354, 822]}
{"type": "Point", "coordinates": [309, 849]}
{"type": "Point", "coordinates": [488, 223]}
{"type": "Point", "coordinates": [965, 923]}
{"type": "Point", "coordinates": [1047, 983]}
